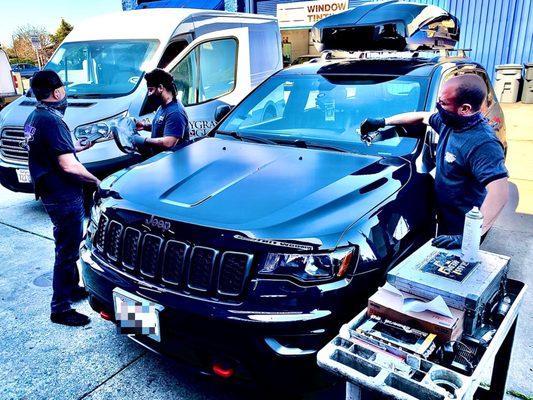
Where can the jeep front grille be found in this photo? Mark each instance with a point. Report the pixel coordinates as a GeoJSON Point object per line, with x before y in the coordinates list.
{"type": "Point", "coordinates": [175, 253]}
{"type": "Point", "coordinates": [172, 263]}
{"type": "Point", "coordinates": [114, 235]}
{"type": "Point", "coordinates": [130, 249]}
{"type": "Point", "coordinates": [150, 255]}
{"type": "Point", "coordinates": [232, 275]}
{"type": "Point", "coordinates": [201, 268]}
{"type": "Point", "coordinates": [101, 232]}
{"type": "Point", "coordinates": [12, 146]}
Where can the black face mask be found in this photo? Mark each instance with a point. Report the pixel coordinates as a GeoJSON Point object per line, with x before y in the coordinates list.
{"type": "Point", "coordinates": [457, 121]}
{"type": "Point", "coordinates": [156, 98]}
{"type": "Point", "coordinates": [60, 105]}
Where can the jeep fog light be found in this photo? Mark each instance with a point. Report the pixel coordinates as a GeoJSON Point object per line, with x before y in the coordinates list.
{"type": "Point", "coordinates": [309, 267]}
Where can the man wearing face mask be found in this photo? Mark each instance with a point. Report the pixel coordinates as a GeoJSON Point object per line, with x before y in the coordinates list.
{"type": "Point", "coordinates": [58, 179]}
{"type": "Point", "coordinates": [170, 125]}
{"type": "Point", "coordinates": [470, 158]}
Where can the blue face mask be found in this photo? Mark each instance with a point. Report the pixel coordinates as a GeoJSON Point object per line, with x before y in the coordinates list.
{"type": "Point", "coordinates": [60, 105]}
{"type": "Point", "coordinates": [456, 121]}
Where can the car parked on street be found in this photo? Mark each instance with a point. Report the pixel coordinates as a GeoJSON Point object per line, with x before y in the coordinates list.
{"type": "Point", "coordinates": [255, 243]}
{"type": "Point", "coordinates": [216, 58]}
{"type": "Point", "coordinates": [26, 70]}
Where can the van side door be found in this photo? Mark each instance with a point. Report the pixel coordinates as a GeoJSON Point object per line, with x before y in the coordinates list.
{"type": "Point", "coordinates": [212, 70]}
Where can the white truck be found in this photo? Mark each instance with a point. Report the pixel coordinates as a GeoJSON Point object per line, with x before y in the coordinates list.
{"type": "Point", "coordinates": [216, 59]}
{"type": "Point", "coordinates": [8, 90]}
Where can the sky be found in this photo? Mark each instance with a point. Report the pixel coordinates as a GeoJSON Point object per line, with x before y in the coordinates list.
{"type": "Point", "coordinates": [48, 13]}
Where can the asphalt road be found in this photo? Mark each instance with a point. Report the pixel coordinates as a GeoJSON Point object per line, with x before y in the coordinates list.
{"type": "Point", "coordinates": [41, 360]}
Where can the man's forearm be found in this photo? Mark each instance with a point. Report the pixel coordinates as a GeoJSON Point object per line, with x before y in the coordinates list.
{"type": "Point", "coordinates": [81, 173]}
{"type": "Point", "coordinates": [165, 142]}
{"type": "Point", "coordinates": [497, 196]}
{"type": "Point", "coordinates": [409, 118]}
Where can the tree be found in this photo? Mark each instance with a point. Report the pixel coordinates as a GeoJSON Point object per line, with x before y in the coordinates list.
{"type": "Point", "coordinates": [22, 48]}
{"type": "Point", "coordinates": [61, 32]}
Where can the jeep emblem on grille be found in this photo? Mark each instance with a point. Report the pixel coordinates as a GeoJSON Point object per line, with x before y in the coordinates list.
{"type": "Point", "coordinates": [158, 223]}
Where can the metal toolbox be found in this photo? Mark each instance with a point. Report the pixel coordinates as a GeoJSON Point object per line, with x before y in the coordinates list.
{"type": "Point", "coordinates": [430, 272]}
{"type": "Point", "coordinates": [381, 373]}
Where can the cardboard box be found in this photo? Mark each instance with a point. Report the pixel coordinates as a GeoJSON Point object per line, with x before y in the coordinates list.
{"type": "Point", "coordinates": [389, 305]}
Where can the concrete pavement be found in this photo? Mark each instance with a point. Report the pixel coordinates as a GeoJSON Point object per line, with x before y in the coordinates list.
{"type": "Point", "coordinates": [40, 360]}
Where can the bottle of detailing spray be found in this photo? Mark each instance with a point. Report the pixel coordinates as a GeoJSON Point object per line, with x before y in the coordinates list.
{"type": "Point", "coordinates": [472, 235]}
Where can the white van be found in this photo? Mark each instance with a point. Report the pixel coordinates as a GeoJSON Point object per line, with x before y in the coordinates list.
{"type": "Point", "coordinates": [8, 91]}
{"type": "Point", "coordinates": [216, 58]}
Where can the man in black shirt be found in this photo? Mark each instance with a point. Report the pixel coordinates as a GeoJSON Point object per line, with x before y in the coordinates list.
{"type": "Point", "coordinates": [58, 179]}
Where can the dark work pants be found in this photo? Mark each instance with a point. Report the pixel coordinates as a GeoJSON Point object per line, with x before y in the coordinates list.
{"type": "Point", "coordinates": [67, 218]}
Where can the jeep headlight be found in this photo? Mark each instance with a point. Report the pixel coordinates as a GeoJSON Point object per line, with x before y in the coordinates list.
{"type": "Point", "coordinates": [310, 267]}
{"type": "Point", "coordinates": [102, 130]}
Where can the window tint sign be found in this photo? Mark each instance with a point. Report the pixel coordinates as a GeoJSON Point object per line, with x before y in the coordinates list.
{"type": "Point", "coordinates": [307, 13]}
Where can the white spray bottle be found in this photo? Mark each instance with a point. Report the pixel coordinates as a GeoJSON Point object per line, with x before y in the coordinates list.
{"type": "Point", "coordinates": [472, 235]}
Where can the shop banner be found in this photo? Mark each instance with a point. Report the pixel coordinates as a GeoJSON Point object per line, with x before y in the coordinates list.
{"type": "Point", "coordinates": [304, 14]}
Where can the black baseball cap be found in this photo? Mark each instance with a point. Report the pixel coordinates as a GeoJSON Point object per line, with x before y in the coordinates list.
{"type": "Point", "coordinates": [43, 83]}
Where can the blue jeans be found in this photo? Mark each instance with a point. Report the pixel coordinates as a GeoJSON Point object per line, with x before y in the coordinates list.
{"type": "Point", "coordinates": [67, 217]}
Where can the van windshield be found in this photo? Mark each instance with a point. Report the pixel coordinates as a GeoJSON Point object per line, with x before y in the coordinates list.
{"type": "Point", "coordinates": [99, 69]}
{"type": "Point", "coordinates": [327, 110]}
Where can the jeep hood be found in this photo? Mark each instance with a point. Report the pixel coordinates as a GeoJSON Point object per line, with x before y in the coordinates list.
{"type": "Point", "coordinates": [264, 190]}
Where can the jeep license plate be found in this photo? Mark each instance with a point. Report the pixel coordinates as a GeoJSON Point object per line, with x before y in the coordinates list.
{"type": "Point", "coordinates": [23, 175]}
{"type": "Point", "coordinates": [135, 315]}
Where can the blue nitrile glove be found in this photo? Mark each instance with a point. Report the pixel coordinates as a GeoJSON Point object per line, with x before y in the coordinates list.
{"type": "Point", "coordinates": [448, 241]}
{"type": "Point", "coordinates": [138, 140]}
{"type": "Point", "coordinates": [372, 125]}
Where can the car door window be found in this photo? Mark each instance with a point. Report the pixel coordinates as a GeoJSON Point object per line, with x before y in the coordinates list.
{"type": "Point", "coordinates": [218, 62]}
{"type": "Point", "coordinates": [207, 72]}
{"type": "Point", "coordinates": [185, 78]}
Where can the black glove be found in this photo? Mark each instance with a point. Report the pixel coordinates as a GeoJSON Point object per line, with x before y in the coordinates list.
{"type": "Point", "coordinates": [448, 241]}
{"type": "Point", "coordinates": [137, 140]}
{"type": "Point", "coordinates": [372, 125]}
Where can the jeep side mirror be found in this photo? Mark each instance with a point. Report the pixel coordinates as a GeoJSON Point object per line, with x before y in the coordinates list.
{"type": "Point", "coordinates": [222, 111]}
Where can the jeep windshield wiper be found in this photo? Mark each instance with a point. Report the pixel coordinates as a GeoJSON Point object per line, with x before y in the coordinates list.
{"type": "Point", "coordinates": [257, 139]}
{"type": "Point", "coordinates": [309, 145]}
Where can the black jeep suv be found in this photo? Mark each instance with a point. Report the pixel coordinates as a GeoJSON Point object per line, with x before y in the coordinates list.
{"type": "Point", "coordinates": [254, 244]}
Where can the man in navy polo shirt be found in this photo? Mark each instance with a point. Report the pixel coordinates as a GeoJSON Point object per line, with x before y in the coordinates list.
{"type": "Point", "coordinates": [170, 125]}
{"type": "Point", "coordinates": [470, 158]}
{"type": "Point", "coordinates": [58, 179]}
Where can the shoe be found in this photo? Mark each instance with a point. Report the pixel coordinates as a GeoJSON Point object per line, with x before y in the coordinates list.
{"type": "Point", "coordinates": [70, 318]}
{"type": "Point", "coordinates": [79, 294]}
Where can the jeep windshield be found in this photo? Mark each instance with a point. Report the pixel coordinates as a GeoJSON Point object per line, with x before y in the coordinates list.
{"type": "Point", "coordinates": [315, 110]}
{"type": "Point", "coordinates": [101, 69]}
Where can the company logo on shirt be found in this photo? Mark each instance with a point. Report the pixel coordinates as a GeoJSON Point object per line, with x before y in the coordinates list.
{"type": "Point", "coordinates": [449, 157]}
{"type": "Point", "coordinates": [29, 132]}
{"type": "Point", "coordinates": [161, 118]}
